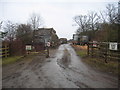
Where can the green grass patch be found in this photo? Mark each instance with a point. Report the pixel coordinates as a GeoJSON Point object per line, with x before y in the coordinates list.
{"type": "Point", "coordinates": [9, 60]}
{"type": "Point", "coordinates": [81, 53]}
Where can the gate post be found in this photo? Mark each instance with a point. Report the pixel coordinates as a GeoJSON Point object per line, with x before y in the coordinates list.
{"type": "Point", "coordinates": [88, 51]}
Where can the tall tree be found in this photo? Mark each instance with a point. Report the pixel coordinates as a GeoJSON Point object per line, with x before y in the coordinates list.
{"type": "Point", "coordinates": [10, 29]}
{"type": "Point", "coordinates": [24, 33]}
{"type": "Point", "coordinates": [93, 21]}
{"type": "Point", "coordinates": [112, 13]}
{"type": "Point", "coordinates": [110, 23]}
{"type": "Point", "coordinates": [103, 17]}
{"type": "Point", "coordinates": [35, 20]}
{"type": "Point", "coordinates": [82, 22]}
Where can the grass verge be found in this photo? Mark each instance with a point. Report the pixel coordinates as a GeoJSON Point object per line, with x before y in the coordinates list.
{"type": "Point", "coordinates": [12, 59]}
{"type": "Point", "coordinates": [9, 60]}
{"type": "Point", "coordinates": [81, 53]}
{"type": "Point", "coordinates": [97, 63]}
{"type": "Point", "coordinates": [110, 67]}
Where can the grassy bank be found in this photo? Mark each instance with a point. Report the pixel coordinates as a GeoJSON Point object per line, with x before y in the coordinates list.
{"type": "Point", "coordinates": [98, 63]}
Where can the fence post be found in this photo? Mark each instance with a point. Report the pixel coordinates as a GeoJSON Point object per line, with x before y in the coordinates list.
{"type": "Point", "coordinates": [106, 51]}
{"type": "Point", "coordinates": [5, 50]}
{"type": "Point", "coordinates": [99, 50]}
{"type": "Point", "coordinates": [92, 50]}
{"type": "Point", "coordinates": [88, 51]}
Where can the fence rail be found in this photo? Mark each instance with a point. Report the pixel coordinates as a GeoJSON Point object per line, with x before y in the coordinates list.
{"type": "Point", "coordinates": [4, 51]}
{"type": "Point", "coordinates": [101, 50]}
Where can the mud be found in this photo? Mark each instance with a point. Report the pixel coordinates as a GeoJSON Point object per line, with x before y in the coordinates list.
{"type": "Point", "coordinates": [63, 69]}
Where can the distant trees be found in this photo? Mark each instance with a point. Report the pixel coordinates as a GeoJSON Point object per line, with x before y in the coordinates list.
{"type": "Point", "coordinates": [2, 34]}
{"type": "Point", "coordinates": [22, 32]}
{"type": "Point", "coordinates": [111, 26]}
{"type": "Point", "coordinates": [87, 23]}
{"type": "Point", "coordinates": [102, 26]}
{"type": "Point", "coordinates": [18, 35]}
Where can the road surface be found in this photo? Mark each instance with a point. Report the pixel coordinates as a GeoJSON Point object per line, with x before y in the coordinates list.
{"type": "Point", "coordinates": [64, 69]}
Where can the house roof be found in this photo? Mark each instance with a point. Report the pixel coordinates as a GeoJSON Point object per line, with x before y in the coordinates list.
{"type": "Point", "coordinates": [46, 32]}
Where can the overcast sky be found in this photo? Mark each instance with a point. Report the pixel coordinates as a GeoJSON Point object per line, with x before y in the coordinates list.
{"type": "Point", "coordinates": [57, 14]}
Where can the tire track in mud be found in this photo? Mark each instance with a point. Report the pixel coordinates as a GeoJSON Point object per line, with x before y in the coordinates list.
{"type": "Point", "coordinates": [61, 69]}
{"type": "Point", "coordinates": [64, 63]}
{"type": "Point", "coordinates": [82, 75]}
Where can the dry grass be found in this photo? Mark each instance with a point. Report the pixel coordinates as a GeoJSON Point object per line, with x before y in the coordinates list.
{"type": "Point", "coordinates": [81, 47]}
{"type": "Point", "coordinates": [110, 67]}
{"type": "Point", "coordinates": [78, 47]}
{"type": "Point", "coordinates": [80, 50]}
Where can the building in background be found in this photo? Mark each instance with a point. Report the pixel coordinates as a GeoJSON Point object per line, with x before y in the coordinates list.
{"type": "Point", "coordinates": [43, 35]}
{"type": "Point", "coordinates": [80, 39]}
{"type": "Point", "coordinates": [63, 40]}
{"type": "Point", "coordinates": [75, 38]}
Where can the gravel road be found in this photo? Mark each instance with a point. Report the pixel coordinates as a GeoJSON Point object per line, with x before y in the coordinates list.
{"type": "Point", "coordinates": [63, 69]}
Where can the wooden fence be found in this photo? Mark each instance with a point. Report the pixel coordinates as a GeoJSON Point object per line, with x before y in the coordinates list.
{"type": "Point", "coordinates": [4, 50]}
{"type": "Point", "coordinates": [101, 50]}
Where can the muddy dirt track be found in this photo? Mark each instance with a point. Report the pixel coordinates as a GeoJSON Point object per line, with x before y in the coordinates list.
{"type": "Point", "coordinates": [64, 69]}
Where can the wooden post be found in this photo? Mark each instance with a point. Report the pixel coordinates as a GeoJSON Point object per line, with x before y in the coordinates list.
{"type": "Point", "coordinates": [7, 50]}
{"type": "Point", "coordinates": [48, 45]}
{"type": "Point", "coordinates": [92, 50]}
{"type": "Point", "coordinates": [88, 49]}
{"type": "Point", "coordinates": [47, 52]}
{"type": "Point", "coordinates": [99, 50]}
{"type": "Point", "coordinates": [106, 53]}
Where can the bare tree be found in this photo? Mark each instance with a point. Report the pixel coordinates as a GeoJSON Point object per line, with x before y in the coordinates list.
{"type": "Point", "coordinates": [93, 21]}
{"type": "Point", "coordinates": [87, 22]}
{"type": "Point", "coordinates": [82, 22]}
{"type": "Point", "coordinates": [35, 20]}
{"type": "Point", "coordinates": [103, 17]}
{"type": "Point", "coordinates": [112, 13]}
